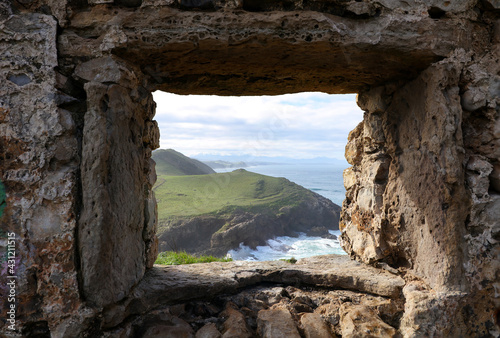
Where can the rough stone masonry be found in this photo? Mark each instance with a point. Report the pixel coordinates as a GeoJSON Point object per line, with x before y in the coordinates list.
{"type": "Point", "coordinates": [77, 131]}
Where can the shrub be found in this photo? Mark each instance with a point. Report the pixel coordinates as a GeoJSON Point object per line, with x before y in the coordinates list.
{"type": "Point", "coordinates": [182, 257]}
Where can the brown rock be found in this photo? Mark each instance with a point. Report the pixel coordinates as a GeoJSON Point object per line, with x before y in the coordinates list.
{"type": "Point", "coordinates": [390, 197]}
{"type": "Point", "coordinates": [314, 326]}
{"type": "Point", "coordinates": [330, 312]}
{"type": "Point", "coordinates": [423, 319]}
{"type": "Point", "coordinates": [164, 326]}
{"type": "Point", "coordinates": [208, 331]}
{"type": "Point", "coordinates": [105, 190]}
{"type": "Point", "coordinates": [168, 331]}
{"type": "Point", "coordinates": [161, 286]}
{"type": "Point", "coordinates": [235, 325]}
{"type": "Point", "coordinates": [350, 70]}
{"type": "Point", "coordinates": [276, 323]}
{"type": "Point", "coordinates": [362, 321]}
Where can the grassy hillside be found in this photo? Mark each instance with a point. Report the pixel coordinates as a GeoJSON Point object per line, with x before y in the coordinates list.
{"type": "Point", "coordinates": [224, 192]}
{"type": "Point", "coordinates": [182, 257]}
{"type": "Point", "coordinates": [173, 163]}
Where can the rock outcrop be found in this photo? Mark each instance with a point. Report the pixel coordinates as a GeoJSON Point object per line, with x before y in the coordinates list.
{"type": "Point", "coordinates": [77, 131]}
{"type": "Point", "coordinates": [421, 194]}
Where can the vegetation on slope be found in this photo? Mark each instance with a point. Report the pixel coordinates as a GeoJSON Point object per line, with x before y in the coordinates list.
{"type": "Point", "coordinates": [223, 193]}
{"type": "Point", "coordinates": [171, 162]}
{"type": "Point", "coordinates": [179, 258]}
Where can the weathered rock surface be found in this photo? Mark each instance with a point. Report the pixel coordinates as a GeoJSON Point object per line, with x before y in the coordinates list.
{"type": "Point", "coordinates": [115, 135]}
{"type": "Point", "coordinates": [245, 45]}
{"type": "Point", "coordinates": [272, 310]}
{"type": "Point", "coordinates": [39, 161]}
{"type": "Point", "coordinates": [363, 321]}
{"type": "Point", "coordinates": [422, 195]}
{"type": "Point", "coordinates": [235, 325]}
{"type": "Point", "coordinates": [313, 326]}
{"type": "Point", "coordinates": [175, 284]}
{"type": "Point", "coordinates": [394, 174]}
{"type": "Point", "coordinates": [276, 323]}
{"type": "Point", "coordinates": [447, 235]}
{"type": "Point", "coordinates": [208, 331]}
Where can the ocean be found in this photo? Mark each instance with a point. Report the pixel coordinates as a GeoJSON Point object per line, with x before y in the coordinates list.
{"type": "Point", "coordinates": [324, 179]}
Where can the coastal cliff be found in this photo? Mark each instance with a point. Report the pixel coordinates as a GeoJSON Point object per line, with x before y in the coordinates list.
{"type": "Point", "coordinates": [247, 208]}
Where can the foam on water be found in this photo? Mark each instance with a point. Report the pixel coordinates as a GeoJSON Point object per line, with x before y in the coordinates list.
{"type": "Point", "coordinates": [287, 247]}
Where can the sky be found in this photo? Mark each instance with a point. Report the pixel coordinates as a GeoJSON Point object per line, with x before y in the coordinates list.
{"type": "Point", "coordinates": [303, 125]}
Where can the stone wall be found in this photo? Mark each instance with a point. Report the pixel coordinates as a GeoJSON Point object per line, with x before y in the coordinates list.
{"type": "Point", "coordinates": [422, 194]}
{"type": "Point", "coordinates": [39, 167]}
{"type": "Point", "coordinates": [77, 130]}
{"type": "Point", "coordinates": [117, 226]}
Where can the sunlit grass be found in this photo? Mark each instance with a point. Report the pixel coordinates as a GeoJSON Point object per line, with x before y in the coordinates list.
{"type": "Point", "coordinates": [182, 257]}
{"type": "Point", "coordinates": [222, 193]}
{"type": "Point", "coordinates": [291, 260]}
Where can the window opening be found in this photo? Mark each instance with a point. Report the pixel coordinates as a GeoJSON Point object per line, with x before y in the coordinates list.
{"type": "Point", "coordinates": [300, 137]}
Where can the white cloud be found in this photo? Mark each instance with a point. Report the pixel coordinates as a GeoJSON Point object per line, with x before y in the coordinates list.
{"type": "Point", "coordinates": [300, 125]}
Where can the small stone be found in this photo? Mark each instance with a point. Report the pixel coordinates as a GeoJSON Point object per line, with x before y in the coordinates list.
{"type": "Point", "coordinates": [276, 323]}
{"type": "Point", "coordinates": [106, 69]}
{"type": "Point", "coordinates": [314, 326]}
{"type": "Point", "coordinates": [473, 99]}
{"type": "Point", "coordinates": [363, 321]}
{"type": "Point", "coordinates": [174, 328]}
{"type": "Point", "coordinates": [20, 80]}
{"type": "Point", "coordinates": [208, 331]}
{"type": "Point", "coordinates": [349, 178]}
{"type": "Point", "coordinates": [235, 325]}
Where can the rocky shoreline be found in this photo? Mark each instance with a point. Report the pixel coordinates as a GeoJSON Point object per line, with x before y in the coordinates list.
{"type": "Point", "coordinates": [217, 234]}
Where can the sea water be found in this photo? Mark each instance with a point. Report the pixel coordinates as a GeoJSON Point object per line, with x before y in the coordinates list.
{"type": "Point", "coordinates": [324, 179]}
{"type": "Point", "coordinates": [286, 247]}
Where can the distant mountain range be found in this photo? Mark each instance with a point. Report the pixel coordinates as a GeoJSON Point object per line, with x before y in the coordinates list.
{"type": "Point", "coordinates": [225, 164]}
{"type": "Point", "coordinates": [259, 160]}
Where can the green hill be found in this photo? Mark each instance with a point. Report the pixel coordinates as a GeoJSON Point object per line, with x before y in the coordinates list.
{"type": "Point", "coordinates": [223, 192]}
{"type": "Point", "coordinates": [173, 163]}
{"type": "Point", "coordinates": [211, 214]}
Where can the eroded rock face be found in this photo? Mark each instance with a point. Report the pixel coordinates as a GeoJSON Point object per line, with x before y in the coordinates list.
{"type": "Point", "coordinates": [116, 233]}
{"type": "Point", "coordinates": [216, 235]}
{"type": "Point", "coordinates": [76, 135]}
{"type": "Point", "coordinates": [410, 178]}
{"type": "Point", "coordinates": [39, 154]}
{"type": "Point", "coordinates": [422, 195]}
{"type": "Point", "coordinates": [245, 46]}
